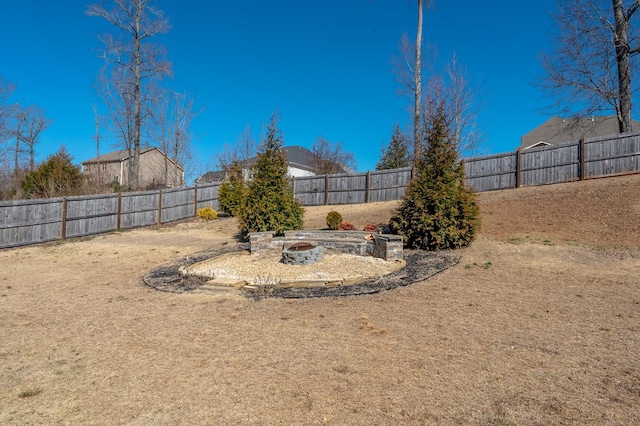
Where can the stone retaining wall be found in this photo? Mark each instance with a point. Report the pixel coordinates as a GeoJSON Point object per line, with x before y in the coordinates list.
{"type": "Point", "coordinates": [384, 246]}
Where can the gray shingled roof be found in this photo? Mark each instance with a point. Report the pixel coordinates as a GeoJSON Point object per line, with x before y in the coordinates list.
{"type": "Point", "coordinates": [558, 130]}
{"type": "Point", "coordinates": [212, 177]}
{"type": "Point", "coordinates": [115, 156]}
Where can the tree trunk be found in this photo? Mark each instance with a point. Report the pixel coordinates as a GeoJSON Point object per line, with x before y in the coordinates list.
{"type": "Point", "coordinates": [137, 102]}
{"type": "Point", "coordinates": [417, 131]}
{"type": "Point", "coordinates": [16, 155]}
{"type": "Point", "coordinates": [624, 72]}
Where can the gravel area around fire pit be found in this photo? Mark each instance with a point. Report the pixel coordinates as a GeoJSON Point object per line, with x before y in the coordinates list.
{"type": "Point", "coordinates": [420, 265]}
{"type": "Point", "coordinates": [267, 267]}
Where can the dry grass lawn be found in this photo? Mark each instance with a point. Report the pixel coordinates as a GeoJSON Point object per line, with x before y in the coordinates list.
{"type": "Point", "coordinates": [538, 324]}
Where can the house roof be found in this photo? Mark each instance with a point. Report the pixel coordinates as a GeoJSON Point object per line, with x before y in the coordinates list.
{"type": "Point", "coordinates": [211, 177]}
{"type": "Point", "coordinates": [296, 156]}
{"type": "Point", "coordinates": [558, 130]}
{"type": "Point", "coordinates": [122, 155]}
{"type": "Point", "coordinates": [300, 158]}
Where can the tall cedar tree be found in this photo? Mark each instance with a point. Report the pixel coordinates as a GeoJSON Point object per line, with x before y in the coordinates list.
{"type": "Point", "coordinates": [270, 204]}
{"type": "Point", "coordinates": [438, 210]}
{"type": "Point", "coordinates": [396, 154]}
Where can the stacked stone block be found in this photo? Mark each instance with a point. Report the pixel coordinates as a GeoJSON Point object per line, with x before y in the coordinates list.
{"type": "Point", "coordinates": [302, 257]}
{"type": "Point", "coordinates": [384, 246]}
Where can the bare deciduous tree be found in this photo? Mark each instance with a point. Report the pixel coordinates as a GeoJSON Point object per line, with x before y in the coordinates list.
{"type": "Point", "coordinates": [590, 69]}
{"type": "Point", "coordinates": [113, 89]}
{"type": "Point", "coordinates": [174, 114]}
{"type": "Point", "coordinates": [6, 113]}
{"type": "Point", "coordinates": [328, 158]}
{"type": "Point", "coordinates": [30, 123]}
{"type": "Point", "coordinates": [139, 60]}
{"type": "Point", "coordinates": [463, 104]}
{"type": "Point", "coordinates": [244, 148]}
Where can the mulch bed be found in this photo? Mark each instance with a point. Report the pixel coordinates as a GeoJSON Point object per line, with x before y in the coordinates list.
{"type": "Point", "coordinates": [420, 266]}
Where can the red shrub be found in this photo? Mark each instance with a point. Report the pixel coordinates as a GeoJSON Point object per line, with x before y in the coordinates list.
{"type": "Point", "coordinates": [370, 227]}
{"type": "Point", "coordinates": [346, 226]}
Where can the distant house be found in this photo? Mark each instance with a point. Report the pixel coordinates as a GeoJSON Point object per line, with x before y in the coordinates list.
{"type": "Point", "coordinates": [558, 130]}
{"type": "Point", "coordinates": [299, 163]}
{"type": "Point", "coordinates": [211, 177]}
{"type": "Point", "coordinates": [156, 169]}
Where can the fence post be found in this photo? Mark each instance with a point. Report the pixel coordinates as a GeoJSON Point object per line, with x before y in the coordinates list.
{"type": "Point", "coordinates": [160, 207]}
{"type": "Point", "coordinates": [195, 201]}
{"type": "Point", "coordinates": [518, 168]}
{"type": "Point", "coordinates": [367, 186]}
{"type": "Point", "coordinates": [63, 224]}
{"type": "Point", "coordinates": [119, 211]}
{"type": "Point", "coordinates": [326, 190]}
{"type": "Point", "coordinates": [582, 156]}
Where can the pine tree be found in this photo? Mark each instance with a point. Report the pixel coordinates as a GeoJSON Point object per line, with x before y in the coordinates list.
{"type": "Point", "coordinates": [270, 204]}
{"type": "Point", "coordinates": [396, 154]}
{"type": "Point", "coordinates": [438, 210]}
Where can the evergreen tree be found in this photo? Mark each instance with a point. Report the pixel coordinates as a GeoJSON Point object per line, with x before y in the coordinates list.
{"type": "Point", "coordinates": [396, 154]}
{"type": "Point", "coordinates": [56, 177]}
{"type": "Point", "coordinates": [232, 194]}
{"type": "Point", "coordinates": [438, 210]}
{"type": "Point", "coordinates": [270, 204]}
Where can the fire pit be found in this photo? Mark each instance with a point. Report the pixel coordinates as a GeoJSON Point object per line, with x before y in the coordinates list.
{"type": "Point", "coordinates": [301, 254]}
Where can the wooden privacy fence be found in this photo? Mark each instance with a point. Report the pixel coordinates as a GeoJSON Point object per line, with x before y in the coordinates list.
{"type": "Point", "coordinates": [383, 185]}
{"type": "Point", "coordinates": [577, 160]}
{"type": "Point", "coordinates": [36, 221]}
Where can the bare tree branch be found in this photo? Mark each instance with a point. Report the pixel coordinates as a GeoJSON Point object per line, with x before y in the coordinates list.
{"type": "Point", "coordinates": [591, 66]}
{"type": "Point", "coordinates": [137, 59]}
{"type": "Point", "coordinates": [330, 158]}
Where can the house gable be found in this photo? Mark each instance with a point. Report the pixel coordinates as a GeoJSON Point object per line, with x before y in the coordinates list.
{"type": "Point", "coordinates": [559, 130]}
{"type": "Point", "coordinates": [155, 166]}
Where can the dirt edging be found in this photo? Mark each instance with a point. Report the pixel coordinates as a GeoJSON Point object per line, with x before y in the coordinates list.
{"type": "Point", "coordinates": [420, 265]}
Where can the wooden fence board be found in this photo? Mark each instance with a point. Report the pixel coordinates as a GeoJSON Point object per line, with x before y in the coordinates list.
{"type": "Point", "coordinates": [388, 194]}
{"type": "Point", "coordinates": [139, 209]}
{"type": "Point", "coordinates": [30, 221]}
{"type": "Point", "coordinates": [606, 156]}
{"type": "Point", "coordinates": [91, 215]}
{"type": "Point", "coordinates": [177, 204]}
{"type": "Point", "coordinates": [553, 164]}
{"type": "Point", "coordinates": [347, 189]}
{"type": "Point", "coordinates": [30, 234]}
{"type": "Point", "coordinates": [491, 172]}
{"type": "Point", "coordinates": [29, 212]}
{"type": "Point", "coordinates": [310, 190]}
{"type": "Point", "coordinates": [208, 196]}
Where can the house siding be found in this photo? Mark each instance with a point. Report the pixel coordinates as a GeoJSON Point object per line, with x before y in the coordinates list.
{"type": "Point", "coordinates": [152, 170]}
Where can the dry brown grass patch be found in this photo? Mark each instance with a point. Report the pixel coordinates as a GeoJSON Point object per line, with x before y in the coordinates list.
{"type": "Point", "coordinates": [528, 333]}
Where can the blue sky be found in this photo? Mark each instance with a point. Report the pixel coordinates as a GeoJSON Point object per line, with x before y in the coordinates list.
{"type": "Point", "coordinates": [324, 66]}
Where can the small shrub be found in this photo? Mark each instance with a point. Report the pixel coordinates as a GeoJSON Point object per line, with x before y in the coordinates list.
{"type": "Point", "coordinates": [333, 220]}
{"type": "Point", "coordinates": [346, 226]}
{"type": "Point", "coordinates": [207, 213]}
{"type": "Point", "coordinates": [370, 227]}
